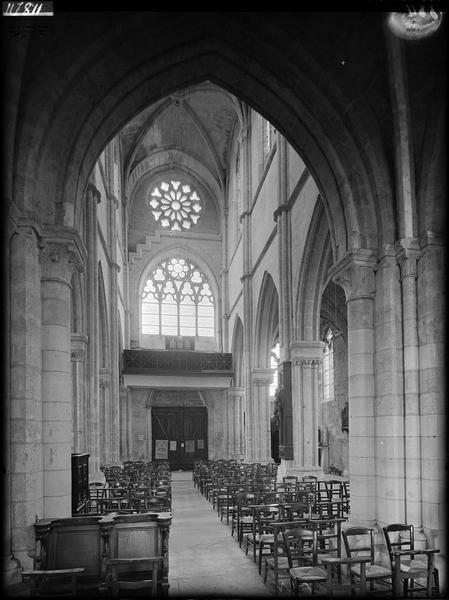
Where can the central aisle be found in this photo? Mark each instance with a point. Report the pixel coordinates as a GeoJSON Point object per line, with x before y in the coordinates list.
{"type": "Point", "coordinates": [204, 559]}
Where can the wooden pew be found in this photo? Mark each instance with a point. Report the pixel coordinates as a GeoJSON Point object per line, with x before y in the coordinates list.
{"type": "Point", "coordinates": [137, 553]}
{"type": "Point", "coordinates": [92, 555]}
{"type": "Point", "coordinates": [69, 556]}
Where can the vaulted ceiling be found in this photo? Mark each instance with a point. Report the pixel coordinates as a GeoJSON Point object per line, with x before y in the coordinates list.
{"type": "Point", "coordinates": [189, 132]}
{"type": "Point", "coordinates": [197, 121]}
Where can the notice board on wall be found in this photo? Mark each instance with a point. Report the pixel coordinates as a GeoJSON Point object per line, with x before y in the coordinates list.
{"type": "Point", "coordinates": [161, 449]}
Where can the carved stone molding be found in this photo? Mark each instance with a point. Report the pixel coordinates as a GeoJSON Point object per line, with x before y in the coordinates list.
{"type": "Point", "coordinates": [93, 193]}
{"type": "Point", "coordinates": [103, 383]}
{"type": "Point", "coordinates": [306, 352]}
{"type": "Point", "coordinates": [282, 208]}
{"type": "Point", "coordinates": [306, 362]}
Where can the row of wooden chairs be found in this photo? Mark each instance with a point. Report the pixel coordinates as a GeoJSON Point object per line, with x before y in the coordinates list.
{"type": "Point", "coordinates": [294, 540]}
{"type": "Point", "coordinates": [134, 487]}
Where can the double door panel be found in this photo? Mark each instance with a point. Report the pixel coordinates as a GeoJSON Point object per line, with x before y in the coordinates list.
{"type": "Point", "coordinates": [179, 435]}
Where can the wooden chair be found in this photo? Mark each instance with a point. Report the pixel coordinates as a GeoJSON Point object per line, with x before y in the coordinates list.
{"type": "Point", "coordinates": [137, 553]}
{"type": "Point", "coordinates": [303, 547]}
{"type": "Point", "coordinates": [328, 535]}
{"type": "Point", "coordinates": [242, 518]}
{"type": "Point", "coordinates": [278, 563]}
{"type": "Point", "coordinates": [408, 564]}
{"type": "Point", "coordinates": [359, 541]}
{"type": "Point", "coordinates": [261, 535]}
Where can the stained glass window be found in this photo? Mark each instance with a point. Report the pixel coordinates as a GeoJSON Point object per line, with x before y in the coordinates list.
{"type": "Point", "coordinates": [175, 205]}
{"type": "Point", "coordinates": [177, 300]}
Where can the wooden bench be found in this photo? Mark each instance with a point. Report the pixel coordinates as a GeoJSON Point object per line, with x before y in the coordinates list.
{"type": "Point", "coordinates": [91, 555]}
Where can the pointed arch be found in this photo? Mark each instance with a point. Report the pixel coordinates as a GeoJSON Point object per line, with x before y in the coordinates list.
{"type": "Point", "coordinates": [318, 257]}
{"type": "Point", "coordinates": [237, 352]}
{"type": "Point", "coordinates": [267, 322]}
{"type": "Point", "coordinates": [345, 156]}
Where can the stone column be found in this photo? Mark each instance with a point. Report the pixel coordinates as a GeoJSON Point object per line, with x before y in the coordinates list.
{"type": "Point", "coordinates": [114, 443]}
{"type": "Point", "coordinates": [93, 197]}
{"type": "Point", "coordinates": [105, 421]}
{"type": "Point", "coordinates": [389, 414]}
{"type": "Point", "coordinates": [79, 408]}
{"type": "Point", "coordinates": [306, 361]}
{"type": "Point", "coordinates": [61, 252]}
{"type": "Point", "coordinates": [432, 311]}
{"type": "Point", "coordinates": [407, 257]}
{"type": "Point", "coordinates": [261, 414]}
{"type": "Point", "coordinates": [22, 452]}
{"type": "Point", "coordinates": [282, 218]}
{"type": "Point", "coordinates": [356, 276]}
{"type": "Point", "coordinates": [124, 424]}
{"type": "Point", "coordinates": [246, 280]}
{"type": "Point", "coordinates": [235, 397]}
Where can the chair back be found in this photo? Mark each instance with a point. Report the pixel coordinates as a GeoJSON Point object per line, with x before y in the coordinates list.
{"type": "Point", "coordinates": [301, 546]}
{"type": "Point", "coordinates": [359, 541]}
{"type": "Point", "coordinates": [396, 541]}
{"type": "Point", "coordinates": [73, 541]}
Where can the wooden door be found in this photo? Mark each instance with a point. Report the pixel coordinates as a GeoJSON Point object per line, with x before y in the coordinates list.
{"type": "Point", "coordinates": [179, 435]}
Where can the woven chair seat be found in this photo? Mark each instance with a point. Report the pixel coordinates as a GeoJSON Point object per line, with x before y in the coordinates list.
{"type": "Point", "coordinates": [308, 574]}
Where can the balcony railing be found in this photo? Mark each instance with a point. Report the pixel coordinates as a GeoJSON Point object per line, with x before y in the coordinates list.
{"type": "Point", "coordinates": [179, 361]}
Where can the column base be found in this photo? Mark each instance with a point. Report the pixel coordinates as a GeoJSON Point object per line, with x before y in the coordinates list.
{"type": "Point", "coordinates": [11, 572]}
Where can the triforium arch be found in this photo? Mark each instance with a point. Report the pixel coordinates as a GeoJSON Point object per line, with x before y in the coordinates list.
{"type": "Point", "coordinates": [339, 163]}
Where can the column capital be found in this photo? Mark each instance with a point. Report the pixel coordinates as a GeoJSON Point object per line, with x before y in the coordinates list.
{"type": "Point", "coordinates": [305, 352]}
{"type": "Point", "coordinates": [62, 251]}
{"type": "Point", "coordinates": [407, 256]}
{"type": "Point", "coordinates": [235, 393]}
{"type": "Point", "coordinates": [103, 383]}
{"type": "Point", "coordinates": [262, 376]}
{"type": "Point", "coordinates": [356, 274]}
{"type": "Point", "coordinates": [77, 355]}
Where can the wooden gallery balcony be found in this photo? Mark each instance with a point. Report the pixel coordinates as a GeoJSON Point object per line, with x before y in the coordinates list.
{"type": "Point", "coordinates": [176, 368]}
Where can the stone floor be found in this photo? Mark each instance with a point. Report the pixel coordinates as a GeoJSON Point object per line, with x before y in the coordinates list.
{"type": "Point", "coordinates": [205, 560]}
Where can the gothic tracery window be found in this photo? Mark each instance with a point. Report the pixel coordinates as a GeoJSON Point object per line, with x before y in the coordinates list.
{"type": "Point", "coordinates": [175, 205]}
{"type": "Point", "coordinates": [177, 300]}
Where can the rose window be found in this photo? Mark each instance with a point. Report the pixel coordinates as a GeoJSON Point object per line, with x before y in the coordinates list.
{"type": "Point", "coordinates": [175, 205]}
